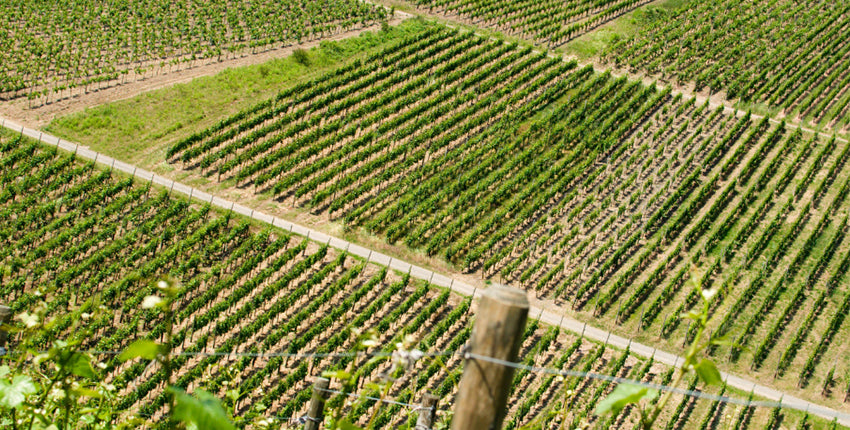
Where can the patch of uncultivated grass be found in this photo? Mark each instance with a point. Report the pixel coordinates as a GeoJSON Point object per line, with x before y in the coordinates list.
{"type": "Point", "coordinates": [139, 129]}
{"type": "Point", "coordinates": [595, 43]}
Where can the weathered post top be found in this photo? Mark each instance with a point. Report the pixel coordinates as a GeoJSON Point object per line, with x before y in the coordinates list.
{"type": "Point", "coordinates": [316, 413]}
{"type": "Point", "coordinates": [497, 333]}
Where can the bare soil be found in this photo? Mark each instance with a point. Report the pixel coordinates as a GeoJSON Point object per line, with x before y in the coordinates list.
{"type": "Point", "coordinates": [40, 116]}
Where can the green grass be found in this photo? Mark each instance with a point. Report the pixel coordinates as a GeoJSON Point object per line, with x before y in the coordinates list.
{"type": "Point", "coordinates": [594, 43]}
{"type": "Point", "coordinates": [139, 129]}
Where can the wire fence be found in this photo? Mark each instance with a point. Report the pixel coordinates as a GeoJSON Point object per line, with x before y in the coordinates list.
{"type": "Point", "coordinates": [413, 407]}
{"type": "Point", "coordinates": [659, 387]}
{"type": "Point", "coordinates": [302, 419]}
{"type": "Point", "coordinates": [415, 355]}
{"type": "Point", "coordinates": [260, 354]}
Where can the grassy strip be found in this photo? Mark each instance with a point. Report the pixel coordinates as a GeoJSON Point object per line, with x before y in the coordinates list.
{"type": "Point", "coordinates": [139, 129]}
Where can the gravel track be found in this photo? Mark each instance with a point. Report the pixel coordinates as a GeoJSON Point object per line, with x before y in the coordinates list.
{"type": "Point", "coordinates": [546, 311]}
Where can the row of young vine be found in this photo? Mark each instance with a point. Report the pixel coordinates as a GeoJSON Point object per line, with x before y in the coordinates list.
{"type": "Point", "coordinates": [598, 192]}
{"type": "Point", "coordinates": [81, 246]}
{"type": "Point", "coordinates": [785, 54]}
{"type": "Point", "coordinates": [551, 23]}
{"type": "Point", "coordinates": [51, 51]}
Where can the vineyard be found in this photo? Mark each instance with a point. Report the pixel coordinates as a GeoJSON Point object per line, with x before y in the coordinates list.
{"type": "Point", "coordinates": [77, 238]}
{"type": "Point", "coordinates": [607, 202]}
{"type": "Point", "coordinates": [791, 56]}
{"type": "Point", "coordinates": [617, 202]}
{"type": "Point", "coordinates": [551, 23]}
{"type": "Point", "coordinates": [54, 50]}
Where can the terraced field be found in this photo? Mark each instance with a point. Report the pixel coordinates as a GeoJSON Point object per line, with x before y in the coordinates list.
{"type": "Point", "coordinates": [608, 199]}
{"type": "Point", "coordinates": [77, 237]}
{"type": "Point", "coordinates": [790, 56]}
{"type": "Point", "coordinates": [54, 50]}
{"type": "Point", "coordinates": [550, 23]}
{"type": "Point", "coordinates": [611, 200]}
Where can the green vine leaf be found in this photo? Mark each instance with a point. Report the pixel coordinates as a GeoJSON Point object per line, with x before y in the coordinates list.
{"type": "Point", "coordinates": [708, 372]}
{"type": "Point", "coordinates": [14, 393]}
{"type": "Point", "coordinates": [143, 348]}
{"type": "Point", "coordinates": [347, 425]}
{"type": "Point", "coordinates": [202, 410]}
{"type": "Point", "coordinates": [80, 365]}
{"type": "Point", "coordinates": [622, 396]}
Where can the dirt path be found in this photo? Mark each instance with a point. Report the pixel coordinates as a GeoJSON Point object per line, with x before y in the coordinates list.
{"type": "Point", "coordinates": [43, 115]}
{"type": "Point", "coordinates": [546, 310]}
{"type": "Point", "coordinates": [715, 99]}
{"type": "Point", "coordinates": [549, 312]}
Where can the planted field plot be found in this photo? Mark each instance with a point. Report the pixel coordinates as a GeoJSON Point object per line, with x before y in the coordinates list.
{"type": "Point", "coordinates": [598, 192]}
{"type": "Point", "coordinates": [76, 238]}
{"type": "Point", "coordinates": [52, 50]}
{"type": "Point", "coordinates": [405, 105]}
{"type": "Point", "coordinates": [550, 22]}
{"type": "Point", "coordinates": [788, 55]}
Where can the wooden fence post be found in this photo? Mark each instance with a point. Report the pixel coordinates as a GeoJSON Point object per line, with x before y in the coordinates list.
{"type": "Point", "coordinates": [427, 412]}
{"type": "Point", "coordinates": [5, 317]}
{"type": "Point", "coordinates": [484, 386]}
{"type": "Point", "coordinates": [316, 414]}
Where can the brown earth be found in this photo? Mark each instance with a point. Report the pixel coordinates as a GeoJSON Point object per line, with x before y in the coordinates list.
{"type": "Point", "coordinates": [40, 116]}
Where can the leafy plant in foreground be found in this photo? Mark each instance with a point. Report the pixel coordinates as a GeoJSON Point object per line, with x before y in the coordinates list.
{"type": "Point", "coordinates": [626, 394]}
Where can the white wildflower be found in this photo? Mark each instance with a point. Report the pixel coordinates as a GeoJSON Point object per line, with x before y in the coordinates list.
{"type": "Point", "coordinates": [151, 302]}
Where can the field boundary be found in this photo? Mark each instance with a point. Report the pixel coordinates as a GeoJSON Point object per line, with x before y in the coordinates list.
{"type": "Point", "coordinates": [646, 80]}
{"type": "Point", "coordinates": [543, 311]}
{"type": "Point", "coordinates": [44, 114]}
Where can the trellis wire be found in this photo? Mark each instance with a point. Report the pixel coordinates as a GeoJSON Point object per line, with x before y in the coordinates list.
{"type": "Point", "coordinates": [536, 369]}
{"type": "Point", "coordinates": [682, 391]}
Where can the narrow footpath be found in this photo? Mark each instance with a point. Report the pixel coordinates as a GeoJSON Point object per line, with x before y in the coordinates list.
{"type": "Point", "coordinates": [546, 312]}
